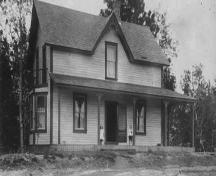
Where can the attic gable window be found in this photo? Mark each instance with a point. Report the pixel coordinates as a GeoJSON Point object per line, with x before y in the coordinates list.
{"type": "Point", "coordinates": [111, 60]}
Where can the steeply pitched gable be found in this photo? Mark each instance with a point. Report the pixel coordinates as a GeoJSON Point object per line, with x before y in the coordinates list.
{"type": "Point", "coordinates": [81, 31]}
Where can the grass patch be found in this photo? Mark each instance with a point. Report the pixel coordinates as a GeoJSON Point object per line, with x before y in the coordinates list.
{"type": "Point", "coordinates": [8, 161]}
{"type": "Point", "coordinates": [105, 159]}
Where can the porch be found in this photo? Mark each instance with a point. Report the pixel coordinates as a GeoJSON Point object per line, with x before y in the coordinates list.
{"type": "Point", "coordinates": [104, 97]}
{"type": "Point", "coordinates": [76, 148]}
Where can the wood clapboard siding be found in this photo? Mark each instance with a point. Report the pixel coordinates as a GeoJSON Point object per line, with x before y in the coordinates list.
{"type": "Point", "coordinates": [81, 65]}
{"type": "Point", "coordinates": [153, 125]}
{"type": "Point", "coordinates": [66, 117]}
{"type": "Point", "coordinates": [153, 121]}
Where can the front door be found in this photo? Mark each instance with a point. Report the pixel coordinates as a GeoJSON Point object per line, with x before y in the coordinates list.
{"type": "Point", "coordinates": [111, 122]}
{"type": "Point", "coordinates": [122, 123]}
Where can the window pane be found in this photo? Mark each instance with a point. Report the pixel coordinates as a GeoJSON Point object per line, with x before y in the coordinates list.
{"type": "Point", "coordinates": [122, 117]}
{"type": "Point", "coordinates": [140, 118]}
{"type": "Point", "coordinates": [41, 118]}
{"type": "Point", "coordinates": [111, 60]}
{"type": "Point", "coordinates": [41, 101]}
{"type": "Point", "coordinates": [41, 112]}
{"type": "Point", "coordinates": [110, 69]}
{"type": "Point", "coordinates": [111, 53]}
{"type": "Point", "coordinates": [79, 112]}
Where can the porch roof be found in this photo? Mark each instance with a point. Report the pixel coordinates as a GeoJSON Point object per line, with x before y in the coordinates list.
{"type": "Point", "coordinates": [109, 85]}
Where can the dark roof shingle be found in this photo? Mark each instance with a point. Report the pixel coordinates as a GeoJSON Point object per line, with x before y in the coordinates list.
{"type": "Point", "coordinates": [70, 28]}
{"type": "Point", "coordinates": [119, 87]}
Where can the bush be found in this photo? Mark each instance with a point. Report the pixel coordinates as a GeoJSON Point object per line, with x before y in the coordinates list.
{"type": "Point", "coordinates": [11, 160]}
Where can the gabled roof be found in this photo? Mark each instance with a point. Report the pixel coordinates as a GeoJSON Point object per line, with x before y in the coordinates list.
{"type": "Point", "coordinates": [125, 88]}
{"type": "Point", "coordinates": [73, 29]}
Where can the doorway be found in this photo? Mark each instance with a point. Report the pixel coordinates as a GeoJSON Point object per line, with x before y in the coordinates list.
{"type": "Point", "coordinates": [111, 123]}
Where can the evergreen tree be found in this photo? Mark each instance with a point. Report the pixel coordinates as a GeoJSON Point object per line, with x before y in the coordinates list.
{"type": "Point", "coordinates": [194, 84]}
{"type": "Point", "coordinates": [14, 48]}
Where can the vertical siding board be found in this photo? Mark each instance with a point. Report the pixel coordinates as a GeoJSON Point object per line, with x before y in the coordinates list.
{"type": "Point", "coordinates": [51, 96]}
{"type": "Point", "coordinates": [59, 116]}
{"type": "Point", "coordinates": [55, 116]}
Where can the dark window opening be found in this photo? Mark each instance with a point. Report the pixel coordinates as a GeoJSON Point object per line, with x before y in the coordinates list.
{"type": "Point", "coordinates": [79, 113]}
{"type": "Point", "coordinates": [38, 113]}
{"type": "Point", "coordinates": [44, 69]}
{"type": "Point", "coordinates": [111, 60]}
{"type": "Point", "coordinates": [140, 117]}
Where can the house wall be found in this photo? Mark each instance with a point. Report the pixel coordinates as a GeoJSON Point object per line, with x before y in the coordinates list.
{"type": "Point", "coordinates": [81, 65]}
{"type": "Point", "coordinates": [42, 138]}
{"type": "Point", "coordinates": [94, 67]}
{"type": "Point", "coordinates": [66, 118]}
{"type": "Point", "coordinates": [153, 121]}
{"type": "Point", "coordinates": [153, 124]}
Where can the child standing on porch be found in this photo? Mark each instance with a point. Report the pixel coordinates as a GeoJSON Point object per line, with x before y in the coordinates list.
{"type": "Point", "coordinates": [130, 135]}
{"type": "Point", "coordinates": [101, 135]}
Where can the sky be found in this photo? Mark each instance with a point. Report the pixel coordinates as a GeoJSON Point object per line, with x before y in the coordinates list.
{"type": "Point", "coordinates": [192, 23]}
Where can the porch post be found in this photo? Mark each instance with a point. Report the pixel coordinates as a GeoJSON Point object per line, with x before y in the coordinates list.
{"type": "Point", "coordinates": [166, 123]}
{"type": "Point", "coordinates": [134, 119]}
{"type": "Point", "coordinates": [59, 116]}
{"type": "Point", "coordinates": [193, 125]}
{"type": "Point", "coordinates": [98, 106]}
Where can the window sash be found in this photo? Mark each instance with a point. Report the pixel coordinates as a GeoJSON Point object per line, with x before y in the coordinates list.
{"type": "Point", "coordinates": [140, 117]}
{"type": "Point", "coordinates": [41, 121]}
{"type": "Point", "coordinates": [111, 71]}
{"type": "Point", "coordinates": [79, 113]}
{"type": "Point", "coordinates": [39, 113]}
{"type": "Point", "coordinates": [111, 60]}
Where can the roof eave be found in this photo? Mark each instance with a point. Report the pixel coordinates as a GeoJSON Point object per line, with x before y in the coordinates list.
{"type": "Point", "coordinates": [79, 82]}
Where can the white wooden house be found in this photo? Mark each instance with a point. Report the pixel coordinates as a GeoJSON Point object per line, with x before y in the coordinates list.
{"type": "Point", "coordinates": [92, 72]}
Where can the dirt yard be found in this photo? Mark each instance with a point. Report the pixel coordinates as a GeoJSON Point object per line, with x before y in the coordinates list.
{"type": "Point", "coordinates": [108, 163]}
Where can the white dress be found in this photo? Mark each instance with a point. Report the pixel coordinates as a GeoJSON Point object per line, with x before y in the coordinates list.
{"type": "Point", "coordinates": [102, 134]}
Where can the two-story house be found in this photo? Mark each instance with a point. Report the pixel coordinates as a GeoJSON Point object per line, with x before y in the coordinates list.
{"type": "Point", "coordinates": [94, 73]}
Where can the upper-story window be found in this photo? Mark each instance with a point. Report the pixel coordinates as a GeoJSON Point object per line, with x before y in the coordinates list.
{"type": "Point", "coordinates": [111, 60]}
{"type": "Point", "coordinates": [44, 66]}
{"type": "Point", "coordinates": [37, 66]}
{"type": "Point", "coordinates": [40, 68]}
